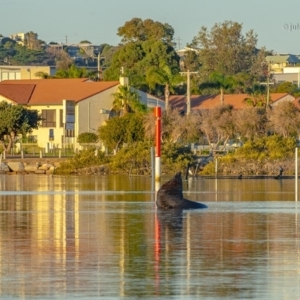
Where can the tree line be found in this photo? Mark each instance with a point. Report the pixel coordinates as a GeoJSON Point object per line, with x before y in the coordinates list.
{"type": "Point", "coordinates": [227, 61]}
{"type": "Point", "coordinates": [269, 137]}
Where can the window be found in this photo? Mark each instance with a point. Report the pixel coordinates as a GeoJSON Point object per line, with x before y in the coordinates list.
{"type": "Point", "coordinates": [69, 133]}
{"type": "Point", "coordinates": [49, 118]}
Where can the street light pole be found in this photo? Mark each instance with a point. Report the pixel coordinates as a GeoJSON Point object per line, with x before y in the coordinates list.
{"type": "Point", "coordinates": [98, 64]}
{"type": "Point", "coordinates": [268, 83]}
{"type": "Point", "coordinates": [188, 90]}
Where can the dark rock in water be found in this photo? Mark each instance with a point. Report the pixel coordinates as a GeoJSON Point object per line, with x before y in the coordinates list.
{"type": "Point", "coordinates": [170, 196]}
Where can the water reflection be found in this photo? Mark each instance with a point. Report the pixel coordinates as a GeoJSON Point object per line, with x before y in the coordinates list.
{"type": "Point", "coordinates": [94, 237]}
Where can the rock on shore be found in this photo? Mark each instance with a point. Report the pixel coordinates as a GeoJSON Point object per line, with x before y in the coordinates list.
{"type": "Point", "coordinates": [29, 166]}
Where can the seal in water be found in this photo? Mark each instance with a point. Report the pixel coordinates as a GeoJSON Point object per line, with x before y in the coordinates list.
{"type": "Point", "coordinates": [170, 196]}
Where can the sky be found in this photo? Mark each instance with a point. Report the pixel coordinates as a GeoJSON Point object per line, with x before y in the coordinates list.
{"type": "Point", "coordinates": [276, 23]}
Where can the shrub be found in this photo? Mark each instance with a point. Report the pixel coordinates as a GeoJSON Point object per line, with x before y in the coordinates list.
{"type": "Point", "coordinates": [176, 157]}
{"type": "Point", "coordinates": [83, 159]}
{"type": "Point", "coordinates": [133, 159]}
{"type": "Point", "coordinates": [87, 137]}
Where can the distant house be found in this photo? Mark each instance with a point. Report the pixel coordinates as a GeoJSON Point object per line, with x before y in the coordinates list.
{"type": "Point", "coordinates": [19, 37]}
{"type": "Point", "coordinates": [69, 107]}
{"type": "Point", "coordinates": [24, 72]}
{"type": "Point", "coordinates": [182, 52]}
{"type": "Point", "coordinates": [280, 61]}
{"type": "Point", "coordinates": [90, 49]}
{"type": "Point", "coordinates": [200, 102]}
{"type": "Point", "coordinates": [289, 74]}
{"type": "Point", "coordinates": [279, 78]}
{"type": "Point", "coordinates": [55, 48]}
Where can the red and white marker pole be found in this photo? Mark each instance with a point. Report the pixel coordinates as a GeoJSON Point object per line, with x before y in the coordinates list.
{"type": "Point", "coordinates": [157, 112]}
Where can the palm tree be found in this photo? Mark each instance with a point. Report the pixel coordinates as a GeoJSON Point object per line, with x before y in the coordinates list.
{"type": "Point", "coordinates": [43, 75]}
{"type": "Point", "coordinates": [219, 81]}
{"type": "Point", "coordinates": [127, 100]}
{"type": "Point", "coordinates": [72, 72]}
{"type": "Point", "coordinates": [256, 96]}
{"type": "Point", "coordinates": [163, 76]}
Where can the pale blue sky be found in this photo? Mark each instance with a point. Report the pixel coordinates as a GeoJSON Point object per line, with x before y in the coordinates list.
{"type": "Point", "coordinates": [277, 23]}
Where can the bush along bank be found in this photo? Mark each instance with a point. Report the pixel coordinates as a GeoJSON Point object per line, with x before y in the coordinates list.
{"type": "Point", "coordinates": [260, 157]}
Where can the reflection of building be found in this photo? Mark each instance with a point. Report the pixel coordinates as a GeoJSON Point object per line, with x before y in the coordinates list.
{"type": "Point", "coordinates": [67, 237]}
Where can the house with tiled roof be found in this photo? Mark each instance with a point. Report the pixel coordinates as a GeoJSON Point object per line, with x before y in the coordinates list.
{"type": "Point", "coordinates": [237, 101]}
{"type": "Point", "coordinates": [280, 61]}
{"type": "Point", "coordinates": [69, 107]}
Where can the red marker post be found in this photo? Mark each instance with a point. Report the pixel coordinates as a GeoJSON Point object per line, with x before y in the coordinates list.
{"type": "Point", "coordinates": [157, 112]}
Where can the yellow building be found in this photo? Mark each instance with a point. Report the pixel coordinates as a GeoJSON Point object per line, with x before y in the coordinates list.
{"type": "Point", "coordinates": [279, 62]}
{"type": "Point", "coordinates": [68, 107]}
{"type": "Point", "coordinates": [24, 72]}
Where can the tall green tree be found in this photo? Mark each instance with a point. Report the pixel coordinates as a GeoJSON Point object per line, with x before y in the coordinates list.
{"type": "Point", "coordinates": [15, 120]}
{"type": "Point", "coordinates": [137, 30]}
{"type": "Point", "coordinates": [135, 59]}
{"type": "Point", "coordinates": [226, 50]}
{"type": "Point", "coordinates": [143, 47]}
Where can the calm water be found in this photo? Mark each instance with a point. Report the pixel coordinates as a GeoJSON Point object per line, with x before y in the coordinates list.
{"type": "Point", "coordinates": [101, 237]}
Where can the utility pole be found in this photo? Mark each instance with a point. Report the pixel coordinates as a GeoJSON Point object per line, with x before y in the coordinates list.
{"type": "Point", "coordinates": [188, 90]}
{"type": "Point", "coordinates": [268, 83]}
{"type": "Point", "coordinates": [99, 65]}
{"type": "Point", "coordinates": [178, 43]}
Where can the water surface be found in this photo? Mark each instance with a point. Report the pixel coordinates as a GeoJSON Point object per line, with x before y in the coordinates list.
{"type": "Point", "coordinates": [101, 237]}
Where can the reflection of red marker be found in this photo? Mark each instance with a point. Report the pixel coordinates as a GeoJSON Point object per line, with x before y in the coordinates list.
{"type": "Point", "coordinates": [157, 112]}
{"type": "Point", "coordinates": [156, 251]}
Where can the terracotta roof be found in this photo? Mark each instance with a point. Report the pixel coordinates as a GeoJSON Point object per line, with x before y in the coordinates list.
{"type": "Point", "coordinates": [20, 93]}
{"type": "Point", "coordinates": [211, 101]}
{"type": "Point", "coordinates": [53, 91]}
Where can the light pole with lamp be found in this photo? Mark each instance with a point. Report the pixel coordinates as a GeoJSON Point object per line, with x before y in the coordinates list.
{"type": "Point", "coordinates": [188, 90]}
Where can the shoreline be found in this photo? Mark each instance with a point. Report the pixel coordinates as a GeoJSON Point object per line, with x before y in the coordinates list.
{"type": "Point", "coordinates": [33, 165]}
{"type": "Point", "coordinates": [46, 165]}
